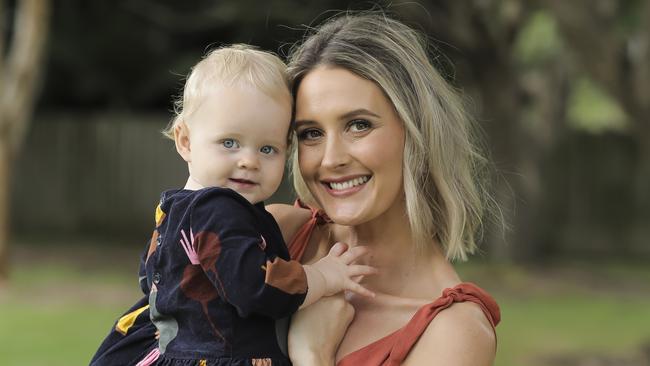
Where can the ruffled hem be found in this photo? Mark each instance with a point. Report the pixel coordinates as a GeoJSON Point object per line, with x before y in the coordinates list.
{"type": "Point", "coordinates": [164, 360]}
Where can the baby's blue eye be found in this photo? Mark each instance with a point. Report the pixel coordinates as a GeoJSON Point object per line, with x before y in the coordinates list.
{"type": "Point", "coordinates": [229, 143]}
{"type": "Point", "coordinates": [267, 149]}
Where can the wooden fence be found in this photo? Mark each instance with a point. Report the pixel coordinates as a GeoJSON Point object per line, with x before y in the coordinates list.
{"type": "Point", "coordinates": [95, 173]}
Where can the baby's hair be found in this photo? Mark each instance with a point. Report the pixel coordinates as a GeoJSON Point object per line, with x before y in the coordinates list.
{"type": "Point", "coordinates": [234, 65]}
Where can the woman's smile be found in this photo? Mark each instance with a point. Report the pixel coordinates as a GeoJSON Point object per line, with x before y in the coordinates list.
{"type": "Point", "coordinates": [345, 186]}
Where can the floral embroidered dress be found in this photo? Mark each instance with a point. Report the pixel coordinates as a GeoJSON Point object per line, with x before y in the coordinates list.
{"type": "Point", "coordinates": [218, 275]}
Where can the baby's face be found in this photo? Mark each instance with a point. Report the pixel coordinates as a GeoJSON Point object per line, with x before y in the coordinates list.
{"type": "Point", "coordinates": [238, 140]}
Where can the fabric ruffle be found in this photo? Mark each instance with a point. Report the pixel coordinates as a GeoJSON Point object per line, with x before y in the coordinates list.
{"type": "Point", "coordinates": [222, 361]}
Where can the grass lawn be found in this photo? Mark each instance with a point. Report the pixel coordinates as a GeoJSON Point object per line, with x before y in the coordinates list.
{"type": "Point", "coordinates": [61, 302]}
{"type": "Point", "coordinates": [569, 314]}
{"type": "Point", "coordinates": [542, 328]}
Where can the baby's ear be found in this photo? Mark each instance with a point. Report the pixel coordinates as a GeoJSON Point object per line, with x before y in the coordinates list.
{"type": "Point", "coordinates": [182, 140]}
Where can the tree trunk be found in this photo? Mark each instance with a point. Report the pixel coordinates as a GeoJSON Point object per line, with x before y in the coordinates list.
{"type": "Point", "coordinates": [19, 77]}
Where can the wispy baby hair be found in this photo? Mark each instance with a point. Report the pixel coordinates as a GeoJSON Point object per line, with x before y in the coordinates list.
{"type": "Point", "coordinates": [234, 65]}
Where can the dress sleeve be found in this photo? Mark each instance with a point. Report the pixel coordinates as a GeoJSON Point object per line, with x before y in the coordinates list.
{"type": "Point", "coordinates": [224, 241]}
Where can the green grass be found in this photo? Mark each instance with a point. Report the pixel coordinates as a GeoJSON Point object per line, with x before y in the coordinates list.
{"type": "Point", "coordinates": [58, 307]}
{"type": "Point", "coordinates": [542, 326]}
{"type": "Point", "coordinates": [60, 303]}
{"type": "Point", "coordinates": [568, 310]}
{"type": "Point", "coordinates": [64, 334]}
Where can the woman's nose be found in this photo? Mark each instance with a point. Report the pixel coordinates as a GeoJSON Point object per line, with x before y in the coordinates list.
{"type": "Point", "coordinates": [335, 153]}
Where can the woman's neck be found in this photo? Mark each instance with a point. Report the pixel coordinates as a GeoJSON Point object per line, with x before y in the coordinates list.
{"type": "Point", "coordinates": [404, 270]}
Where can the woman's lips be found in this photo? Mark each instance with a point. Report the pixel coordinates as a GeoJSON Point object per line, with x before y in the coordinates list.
{"type": "Point", "coordinates": [346, 186]}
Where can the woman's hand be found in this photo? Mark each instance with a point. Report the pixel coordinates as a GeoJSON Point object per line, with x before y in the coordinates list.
{"type": "Point", "coordinates": [317, 330]}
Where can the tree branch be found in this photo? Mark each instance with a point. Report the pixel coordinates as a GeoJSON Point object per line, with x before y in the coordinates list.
{"type": "Point", "coordinates": [22, 70]}
{"type": "Point", "coordinates": [2, 40]}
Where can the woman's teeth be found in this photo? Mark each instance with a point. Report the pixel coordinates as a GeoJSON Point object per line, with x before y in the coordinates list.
{"type": "Point", "coordinates": [348, 184]}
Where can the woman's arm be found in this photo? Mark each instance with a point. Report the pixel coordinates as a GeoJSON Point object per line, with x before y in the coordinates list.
{"type": "Point", "coordinates": [289, 218]}
{"type": "Point", "coordinates": [459, 336]}
{"type": "Point", "coordinates": [317, 330]}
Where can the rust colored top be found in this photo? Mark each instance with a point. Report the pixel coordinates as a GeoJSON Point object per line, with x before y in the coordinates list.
{"type": "Point", "coordinates": [393, 348]}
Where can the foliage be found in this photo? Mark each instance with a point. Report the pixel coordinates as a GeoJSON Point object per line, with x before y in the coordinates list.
{"type": "Point", "coordinates": [538, 40]}
{"type": "Point", "coordinates": [592, 110]}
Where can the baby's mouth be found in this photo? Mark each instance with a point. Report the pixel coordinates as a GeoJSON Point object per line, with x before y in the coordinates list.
{"type": "Point", "coordinates": [241, 181]}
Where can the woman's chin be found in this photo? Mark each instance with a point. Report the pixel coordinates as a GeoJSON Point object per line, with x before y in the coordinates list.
{"type": "Point", "coordinates": [348, 216]}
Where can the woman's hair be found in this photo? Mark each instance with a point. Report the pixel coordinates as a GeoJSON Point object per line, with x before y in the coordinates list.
{"type": "Point", "coordinates": [238, 64]}
{"type": "Point", "coordinates": [445, 197]}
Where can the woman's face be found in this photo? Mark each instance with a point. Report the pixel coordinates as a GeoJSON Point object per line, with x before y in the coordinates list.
{"type": "Point", "coordinates": [351, 145]}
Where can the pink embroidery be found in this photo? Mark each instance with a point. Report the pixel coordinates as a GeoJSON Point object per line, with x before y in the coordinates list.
{"type": "Point", "coordinates": [263, 243]}
{"type": "Point", "coordinates": [188, 246]}
{"type": "Point", "coordinates": [150, 358]}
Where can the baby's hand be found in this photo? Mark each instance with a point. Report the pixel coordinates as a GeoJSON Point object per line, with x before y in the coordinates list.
{"type": "Point", "coordinates": [337, 272]}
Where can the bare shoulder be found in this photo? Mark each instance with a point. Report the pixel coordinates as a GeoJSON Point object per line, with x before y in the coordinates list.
{"type": "Point", "coordinates": [289, 218]}
{"type": "Point", "coordinates": [283, 212]}
{"type": "Point", "coordinates": [460, 335]}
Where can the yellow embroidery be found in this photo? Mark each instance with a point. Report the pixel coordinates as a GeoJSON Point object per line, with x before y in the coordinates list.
{"type": "Point", "coordinates": [127, 320]}
{"type": "Point", "coordinates": [261, 362]}
{"type": "Point", "coordinates": [203, 363]}
{"type": "Point", "coordinates": [160, 215]}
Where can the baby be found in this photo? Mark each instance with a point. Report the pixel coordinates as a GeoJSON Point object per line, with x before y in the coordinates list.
{"type": "Point", "coordinates": [217, 271]}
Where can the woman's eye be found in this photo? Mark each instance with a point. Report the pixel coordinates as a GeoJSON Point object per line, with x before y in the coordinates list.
{"type": "Point", "coordinates": [230, 143]}
{"type": "Point", "coordinates": [309, 134]}
{"type": "Point", "coordinates": [359, 125]}
{"type": "Point", "coordinates": [267, 150]}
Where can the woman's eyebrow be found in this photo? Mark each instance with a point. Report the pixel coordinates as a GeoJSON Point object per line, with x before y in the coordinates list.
{"type": "Point", "coordinates": [359, 112]}
{"type": "Point", "coordinates": [303, 122]}
{"type": "Point", "coordinates": [347, 115]}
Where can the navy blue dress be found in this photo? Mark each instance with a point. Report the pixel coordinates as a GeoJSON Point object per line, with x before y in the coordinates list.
{"type": "Point", "coordinates": [218, 276]}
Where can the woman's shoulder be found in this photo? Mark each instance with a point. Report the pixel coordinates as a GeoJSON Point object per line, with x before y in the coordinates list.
{"type": "Point", "coordinates": [289, 218]}
{"type": "Point", "coordinates": [284, 212]}
{"type": "Point", "coordinates": [460, 335]}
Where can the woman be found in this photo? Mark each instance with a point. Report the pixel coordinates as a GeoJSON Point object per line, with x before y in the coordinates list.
{"type": "Point", "coordinates": [384, 150]}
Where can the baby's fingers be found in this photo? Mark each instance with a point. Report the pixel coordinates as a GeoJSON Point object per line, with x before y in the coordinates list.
{"type": "Point", "coordinates": [338, 249]}
{"type": "Point", "coordinates": [353, 254]}
{"type": "Point", "coordinates": [358, 289]}
{"type": "Point", "coordinates": [361, 270]}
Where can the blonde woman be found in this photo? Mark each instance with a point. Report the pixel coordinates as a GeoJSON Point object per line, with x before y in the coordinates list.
{"type": "Point", "coordinates": [384, 158]}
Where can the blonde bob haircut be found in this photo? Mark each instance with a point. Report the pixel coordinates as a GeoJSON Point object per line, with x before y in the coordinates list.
{"type": "Point", "coordinates": [235, 65]}
{"type": "Point", "coordinates": [444, 196]}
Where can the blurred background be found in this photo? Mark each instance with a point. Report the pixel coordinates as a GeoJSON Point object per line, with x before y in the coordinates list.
{"type": "Point", "coordinates": [561, 90]}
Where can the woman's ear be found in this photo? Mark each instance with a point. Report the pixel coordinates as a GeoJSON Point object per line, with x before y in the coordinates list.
{"type": "Point", "coordinates": [182, 140]}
